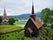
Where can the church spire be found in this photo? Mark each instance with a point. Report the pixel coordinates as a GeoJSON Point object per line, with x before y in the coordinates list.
{"type": "Point", "coordinates": [4, 12]}
{"type": "Point", "coordinates": [32, 8]}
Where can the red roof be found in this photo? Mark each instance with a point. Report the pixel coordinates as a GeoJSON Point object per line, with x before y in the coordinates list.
{"type": "Point", "coordinates": [5, 18]}
{"type": "Point", "coordinates": [37, 23]}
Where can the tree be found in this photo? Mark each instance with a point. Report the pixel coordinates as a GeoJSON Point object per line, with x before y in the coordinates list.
{"type": "Point", "coordinates": [47, 18]}
{"type": "Point", "coordinates": [45, 15]}
{"type": "Point", "coordinates": [51, 17]}
{"type": "Point", "coordinates": [11, 21]}
{"type": "Point", "coordinates": [0, 19]}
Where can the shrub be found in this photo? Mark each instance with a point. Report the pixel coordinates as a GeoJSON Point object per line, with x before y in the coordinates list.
{"type": "Point", "coordinates": [11, 21]}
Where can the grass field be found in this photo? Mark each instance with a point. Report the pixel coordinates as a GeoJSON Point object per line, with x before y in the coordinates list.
{"type": "Point", "coordinates": [47, 32]}
{"type": "Point", "coordinates": [8, 28]}
{"type": "Point", "coordinates": [14, 35]}
{"type": "Point", "coordinates": [22, 24]}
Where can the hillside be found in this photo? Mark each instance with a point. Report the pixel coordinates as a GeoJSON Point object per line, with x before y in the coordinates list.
{"type": "Point", "coordinates": [25, 15]}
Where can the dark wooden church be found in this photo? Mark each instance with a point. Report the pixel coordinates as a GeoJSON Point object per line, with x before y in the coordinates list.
{"type": "Point", "coordinates": [33, 26]}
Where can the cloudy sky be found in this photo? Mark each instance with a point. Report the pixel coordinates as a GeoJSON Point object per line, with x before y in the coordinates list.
{"type": "Point", "coordinates": [17, 7]}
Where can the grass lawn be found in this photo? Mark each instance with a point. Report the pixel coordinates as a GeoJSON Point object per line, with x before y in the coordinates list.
{"type": "Point", "coordinates": [14, 35]}
{"type": "Point", "coordinates": [20, 23]}
{"type": "Point", "coordinates": [7, 28]}
{"type": "Point", "coordinates": [20, 35]}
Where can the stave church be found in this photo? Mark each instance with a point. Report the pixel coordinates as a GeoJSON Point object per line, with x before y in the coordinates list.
{"type": "Point", "coordinates": [4, 18]}
{"type": "Point", "coordinates": [33, 26]}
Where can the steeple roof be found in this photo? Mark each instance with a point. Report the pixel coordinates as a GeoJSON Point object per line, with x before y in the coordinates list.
{"type": "Point", "coordinates": [4, 15]}
{"type": "Point", "coordinates": [32, 8]}
{"type": "Point", "coordinates": [4, 12]}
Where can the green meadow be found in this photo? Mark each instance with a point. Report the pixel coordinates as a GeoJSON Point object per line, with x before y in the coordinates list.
{"type": "Point", "coordinates": [17, 35]}
{"type": "Point", "coordinates": [22, 24]}
{"type": "Point", "coordinates": [47, 32]}
{"type": "Point", "coordinates": [8, 28]}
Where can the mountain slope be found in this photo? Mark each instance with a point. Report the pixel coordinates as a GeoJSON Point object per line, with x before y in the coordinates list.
{"type": "Point", "coordinates": [22, 16]}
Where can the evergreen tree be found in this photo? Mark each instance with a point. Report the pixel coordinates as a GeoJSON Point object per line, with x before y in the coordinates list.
{"type": "Point", "coordinates": [0, 19]}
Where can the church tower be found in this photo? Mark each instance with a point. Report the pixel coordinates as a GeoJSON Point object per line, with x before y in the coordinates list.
{"type": "Point", "coordinates": [5, 19]}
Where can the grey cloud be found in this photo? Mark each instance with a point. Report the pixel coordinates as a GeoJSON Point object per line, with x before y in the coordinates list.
{"type": "Point", "coordinates": [24, 6]}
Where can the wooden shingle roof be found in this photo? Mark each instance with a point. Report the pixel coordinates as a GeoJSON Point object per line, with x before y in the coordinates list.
{"type": "Point", "coordinates": [37, 23]}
